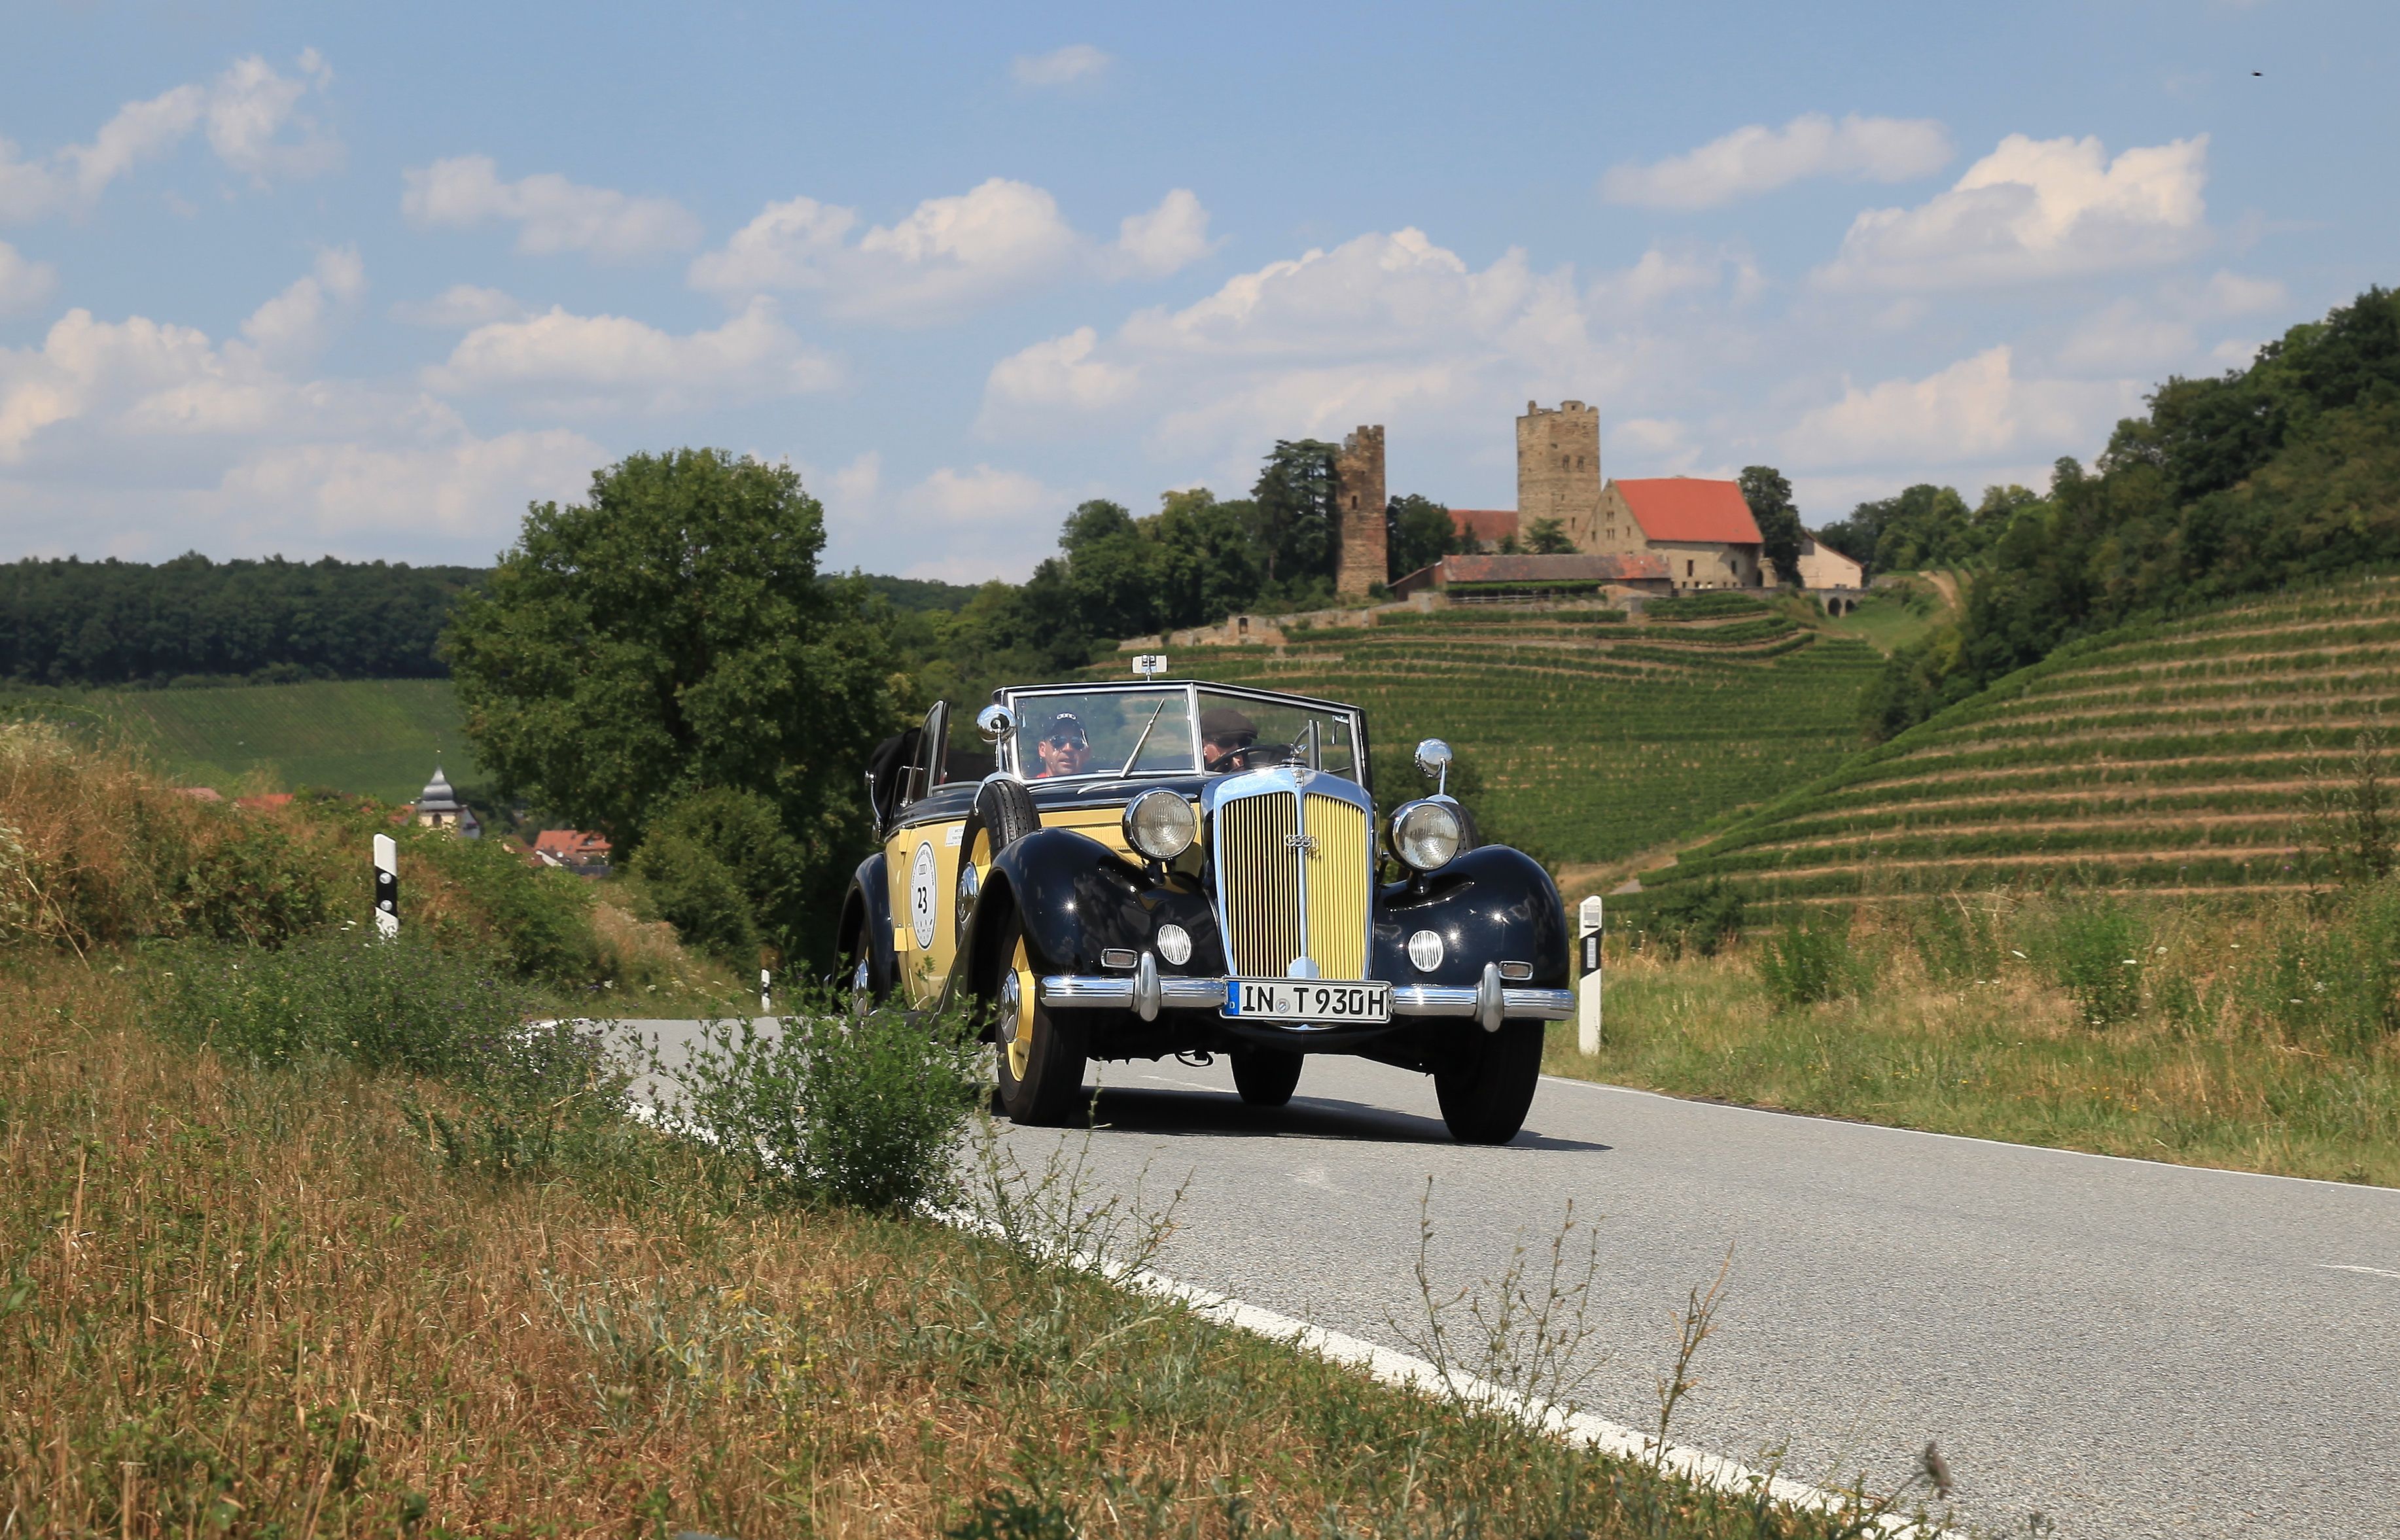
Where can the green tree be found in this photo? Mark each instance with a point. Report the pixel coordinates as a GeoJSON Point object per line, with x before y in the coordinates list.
{"type": "Point", "coordinates": [1417, 533]}
{"type": "Point", "coordinates": [667, 635]}
{"type": "Point", "coordinates": [1292, 518]}
{"type": "Point", "coordinates": [1769, 497]}
{"type": "Point", "coordinates": [1549, 538]}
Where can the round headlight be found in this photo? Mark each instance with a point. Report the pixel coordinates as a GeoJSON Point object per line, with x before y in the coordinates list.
{"type": "Point", "coordinates": [1159, 824]}
{"type": "Point", "coordinates": [1425, 835]}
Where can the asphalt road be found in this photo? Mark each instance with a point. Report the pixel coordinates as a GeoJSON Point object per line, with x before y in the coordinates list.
{"type": "Point", "coordinates": [2130, 1349]}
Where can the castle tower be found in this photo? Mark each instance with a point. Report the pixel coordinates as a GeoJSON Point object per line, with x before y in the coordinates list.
{"type": "Point", "coordinates": [1558, 470]}
{"type": "Point", "coordinates": [1358, 507]}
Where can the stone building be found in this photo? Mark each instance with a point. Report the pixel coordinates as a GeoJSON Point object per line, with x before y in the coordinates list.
{"type": "Point", "coordinates": [1485, 526]}
{"type": "Point", "coordinates": [1358, 510]}
{"type": "Point", "coordinates": [438, 807]}
{"type": "Point", "coordinates": [1703, 528]}
{"type": "Point", "coordinates": [1821, 566]}
{"type": "Point", "coordinates": [1558, 470]}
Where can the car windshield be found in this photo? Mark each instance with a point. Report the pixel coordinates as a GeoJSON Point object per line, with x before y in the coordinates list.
{"type": "Point", "coordinates": [1238, 732]}
{"type": "Point", "coordinates": [1095, 732]}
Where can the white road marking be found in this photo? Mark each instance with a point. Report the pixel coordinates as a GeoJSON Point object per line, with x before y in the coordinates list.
{"type": "Point", "coordinates": [2347, 1267]}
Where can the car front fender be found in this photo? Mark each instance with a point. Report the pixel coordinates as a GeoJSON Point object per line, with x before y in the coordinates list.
{"type": "Point", "coordinates": [1079, 898]}
{"type": "Point", "coordinates": [869, 906]}
{"type": "Point", "coordinates": [1492, 904]}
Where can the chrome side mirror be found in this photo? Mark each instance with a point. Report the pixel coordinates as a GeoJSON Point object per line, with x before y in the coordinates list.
{"type": "Point", "coordinates": [995, 723]}
{"type": "Point", "coordinates": [1433, 759]}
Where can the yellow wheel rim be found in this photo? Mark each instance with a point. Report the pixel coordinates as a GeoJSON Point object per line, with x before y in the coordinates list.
{"type": "Point", "coordinates": [1021, 1040]}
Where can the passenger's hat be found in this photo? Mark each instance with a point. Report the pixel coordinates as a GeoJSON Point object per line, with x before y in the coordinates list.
{"type": "Point", "coordinates": [1224, 724]}
{"type": "Point", "coordinates": [1062, 722]}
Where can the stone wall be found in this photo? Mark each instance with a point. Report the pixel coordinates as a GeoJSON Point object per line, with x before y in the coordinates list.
{"type": "Point", "coordinates": [1558, 470]}
{"type": "Point", "coordinates": [1359, 509]}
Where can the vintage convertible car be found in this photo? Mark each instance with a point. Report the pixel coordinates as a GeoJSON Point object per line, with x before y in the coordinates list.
{"type": "Point", "coordinates": [1159, 867]}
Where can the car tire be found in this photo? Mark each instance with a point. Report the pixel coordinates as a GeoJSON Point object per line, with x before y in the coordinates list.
{"type": "Point", "coordinates": [1039, 1053]}
{"type": "Point", "coordinates": [1486, 1086]}
{"type": "Point", "coordinates": [1004, 814]}
{"type": "Point", "coordinates": [1265, 1076]}
{"type": "Point", "coordinates": [860, 979]}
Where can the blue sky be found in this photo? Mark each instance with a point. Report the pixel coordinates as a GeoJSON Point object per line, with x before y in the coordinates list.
{"type": "Point", "coordinates": [310, 280]}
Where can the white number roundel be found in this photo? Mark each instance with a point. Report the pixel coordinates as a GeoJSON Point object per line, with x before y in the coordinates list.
{"type": "Point", "coordinates": [920, 896]}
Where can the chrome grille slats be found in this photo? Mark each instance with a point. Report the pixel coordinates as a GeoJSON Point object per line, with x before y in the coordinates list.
{"type": "Point", "coordinates": [1293, 874]}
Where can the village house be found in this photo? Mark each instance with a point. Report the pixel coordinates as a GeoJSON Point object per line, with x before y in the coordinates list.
{"type": "Point", "coordinates": [1469, 580]}
{"type": "Point", "coordinates": [573, 848]}
{"type": "Point", "coordinates": [1702, 529]}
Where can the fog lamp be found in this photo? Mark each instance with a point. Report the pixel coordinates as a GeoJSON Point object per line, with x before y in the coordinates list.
{"type": "Point", "coordinates": [1426, 951]}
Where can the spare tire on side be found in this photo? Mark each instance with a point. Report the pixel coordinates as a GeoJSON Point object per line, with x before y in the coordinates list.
{"type": "Point", "coordinates": [1004, 814]}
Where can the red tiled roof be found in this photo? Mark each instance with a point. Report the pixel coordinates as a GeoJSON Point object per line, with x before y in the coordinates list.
{"type": "Point", "coordinates": [1681, 508]}
{"type": "Point", "coordinates": [1485, 523]}
{"type": "Point", "coordinates": [1614, 569]}
{"type": "Point", "coordinates": [265, 801]}
{"type": "Point", "coordinates": [571, 844]}
{"type": "Point", "coordinates": [200, 794]}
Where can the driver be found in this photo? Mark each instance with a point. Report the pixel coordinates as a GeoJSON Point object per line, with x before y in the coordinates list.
{"type": "Point", "coordinates": [1064, 747]}
{"type": "Point", "coordinates": [1224, 733]}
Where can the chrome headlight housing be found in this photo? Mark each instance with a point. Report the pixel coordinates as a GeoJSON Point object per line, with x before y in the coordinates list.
{"type": "Point", "coordinates": [1160, 825]}
{"type": "Point", "coordinates": [1425, 835]}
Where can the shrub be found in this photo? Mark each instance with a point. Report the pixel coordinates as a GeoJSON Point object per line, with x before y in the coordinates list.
{"type": "Point", "coordinates": [740, 831]}
{"type": "Point", "coordinates": [404, 1005]}
{"type": "Point", "coordinates": [481, 895]}
{"type": "Point", "coordinates": [1702, 916]}
{"type": "Point", "coordinates": [862, 1108]}
{"type": "Point", "coordinates": [1956, 941]}
{"type": "Point", "coordinates": [1811, 960]}
{"type": "Point", "coordinates": [2096, 946]}
{"type": "Point", "coordinates": [700, 896]}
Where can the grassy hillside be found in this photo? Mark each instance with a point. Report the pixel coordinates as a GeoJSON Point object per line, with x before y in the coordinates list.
{"type": "Point", "coordinates": [373, 736]}
{"type": "Point", "coordinates": [2177, 756]}
{"type": "Point", "coordinates": [1594, 738]}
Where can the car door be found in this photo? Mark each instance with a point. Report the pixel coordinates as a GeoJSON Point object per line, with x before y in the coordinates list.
{"type": "Point", "coordinates": [922, 862]}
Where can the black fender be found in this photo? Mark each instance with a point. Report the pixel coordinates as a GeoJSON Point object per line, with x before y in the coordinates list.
{"type": "Point", "coordinates": [1080, 898]}
{"type": "Point", "coordinates": [1491, 904]}
{"type": "Point", "coordinates": [868, 906]}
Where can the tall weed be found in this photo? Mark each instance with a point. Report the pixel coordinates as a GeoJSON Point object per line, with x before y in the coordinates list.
{"type": "Point", "coordinates": [1812, 960]}
{"type": "Point", "coordinates": [863, 1109]}
{"type": "Point", "coordinates": [2096, 946]}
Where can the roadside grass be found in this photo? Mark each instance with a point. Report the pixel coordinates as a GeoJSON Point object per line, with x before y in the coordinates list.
{"type": "Point", "coordinates": [2254, 1041]}
{"type": "Point", "coordinates": [1891, 618]}
{"type": "Point", "coordinates": [244, 1300]}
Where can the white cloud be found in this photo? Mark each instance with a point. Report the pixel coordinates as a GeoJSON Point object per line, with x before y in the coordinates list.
{"type": "Point", "coordinates": [459, 307]}
{"type": "Point", "coordinates": [1759, 159]}
{"type": "Point", "coordinates": [948, 258]}
{"type": "Point", "coordinates": [984, 495]}
{"type": "Point", "coordinates": [2031, 210]}
{"type": "Point", "coordinates": [1387, 328]}
{"type": "Point", "coordinates": [2127, 338]}
{"type": "Point", "coordinates": [466, 492]}
{"type": "Point", "coordinates": [24, 283]}
{"type": "Point", "coordinates": [562, 362]}
{"type": "Point", "coordinates": [1062, 373]}
{"type": "Point", "coordinates": [251, 105]}
{"type": "Point", "coordinates": [293, 325]}
{"type": "Point", "coordinates": [551, 213]}
{"type": "Point", "coordinates": [1170, 237]}
{"type": "Point", "coordinates": [2233, 295]}
{"type": "Point", "coordinates": [1059, 66]}
{"type": "Point", "coordinates": [1975, 411]}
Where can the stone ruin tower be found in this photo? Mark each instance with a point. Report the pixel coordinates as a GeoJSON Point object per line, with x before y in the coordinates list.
{"type": "Point", "coordinates": [1558, 470]}
{"type": "Point", "coordinates": [1358, 510]}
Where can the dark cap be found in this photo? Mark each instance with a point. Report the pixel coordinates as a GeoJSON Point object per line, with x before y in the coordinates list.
{"type": "Point", "coordinates": [1219, 724]}
{"type": "Point", "coordinates": [1066, 719]}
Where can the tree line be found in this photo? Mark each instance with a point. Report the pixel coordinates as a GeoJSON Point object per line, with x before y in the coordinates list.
{"type": "Point", "coordinates": [2285, 471]}
{"type": "Point", "coordinates": [115, 622]}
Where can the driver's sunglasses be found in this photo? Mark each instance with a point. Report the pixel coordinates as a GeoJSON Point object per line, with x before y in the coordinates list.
{"type": "Point", "coordinates": [1066, 741]}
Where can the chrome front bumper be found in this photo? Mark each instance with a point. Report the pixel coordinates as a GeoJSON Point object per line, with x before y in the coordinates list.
{"type": "Point", "coordinates": [1146, 992]}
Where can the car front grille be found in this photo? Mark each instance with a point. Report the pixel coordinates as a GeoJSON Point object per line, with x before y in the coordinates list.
{"type": "Point", "coordinates": [1261, 861]}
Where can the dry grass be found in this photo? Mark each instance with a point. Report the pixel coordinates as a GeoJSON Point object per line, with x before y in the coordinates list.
{"type": "Point", "coordinates": [2202, 1073]}
{"type": "Point", "coordinates": [240, 1304]}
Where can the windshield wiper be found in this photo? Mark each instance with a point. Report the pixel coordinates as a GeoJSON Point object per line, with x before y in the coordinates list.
{"type": "Point", "coordinates": [1141, 741]}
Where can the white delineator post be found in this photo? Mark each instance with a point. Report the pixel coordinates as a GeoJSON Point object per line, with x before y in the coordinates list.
{"type": "Point", "coordinates": [1588, 976]}
{"type": "Point", "coordinates": [387, 878]}
{"type": "Point", "coordinates": [762, 991]}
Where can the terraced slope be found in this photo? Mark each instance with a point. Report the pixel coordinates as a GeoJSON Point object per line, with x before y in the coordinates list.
{"type": "Point", "coordinates": [373, 736]}
{"type": "Point", "coordinates": [1594, 739]}
{"type": "Point", "coordinates": [2169, 758]}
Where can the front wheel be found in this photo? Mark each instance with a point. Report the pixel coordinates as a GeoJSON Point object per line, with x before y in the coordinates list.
{"type": "Point", "coordinates": [1486, 1086]}
{"type": "Point", "coordinates": [1040, 1057]}
{"type": "Point", "coordinates": [1265, 1076]}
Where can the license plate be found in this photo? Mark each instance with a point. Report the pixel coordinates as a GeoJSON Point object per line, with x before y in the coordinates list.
{"type": "Point", "coordinates": [1306, 999]}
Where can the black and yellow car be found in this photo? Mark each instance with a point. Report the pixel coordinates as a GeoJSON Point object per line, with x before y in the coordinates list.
{"type": "Point", "coordinates": [1161, 868]}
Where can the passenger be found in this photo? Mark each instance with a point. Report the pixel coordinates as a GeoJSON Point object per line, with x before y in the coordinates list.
{"type": "Point", "coordinates": [1064, 747]}
{"type": "Point", "coordinates": [1224, 733]}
